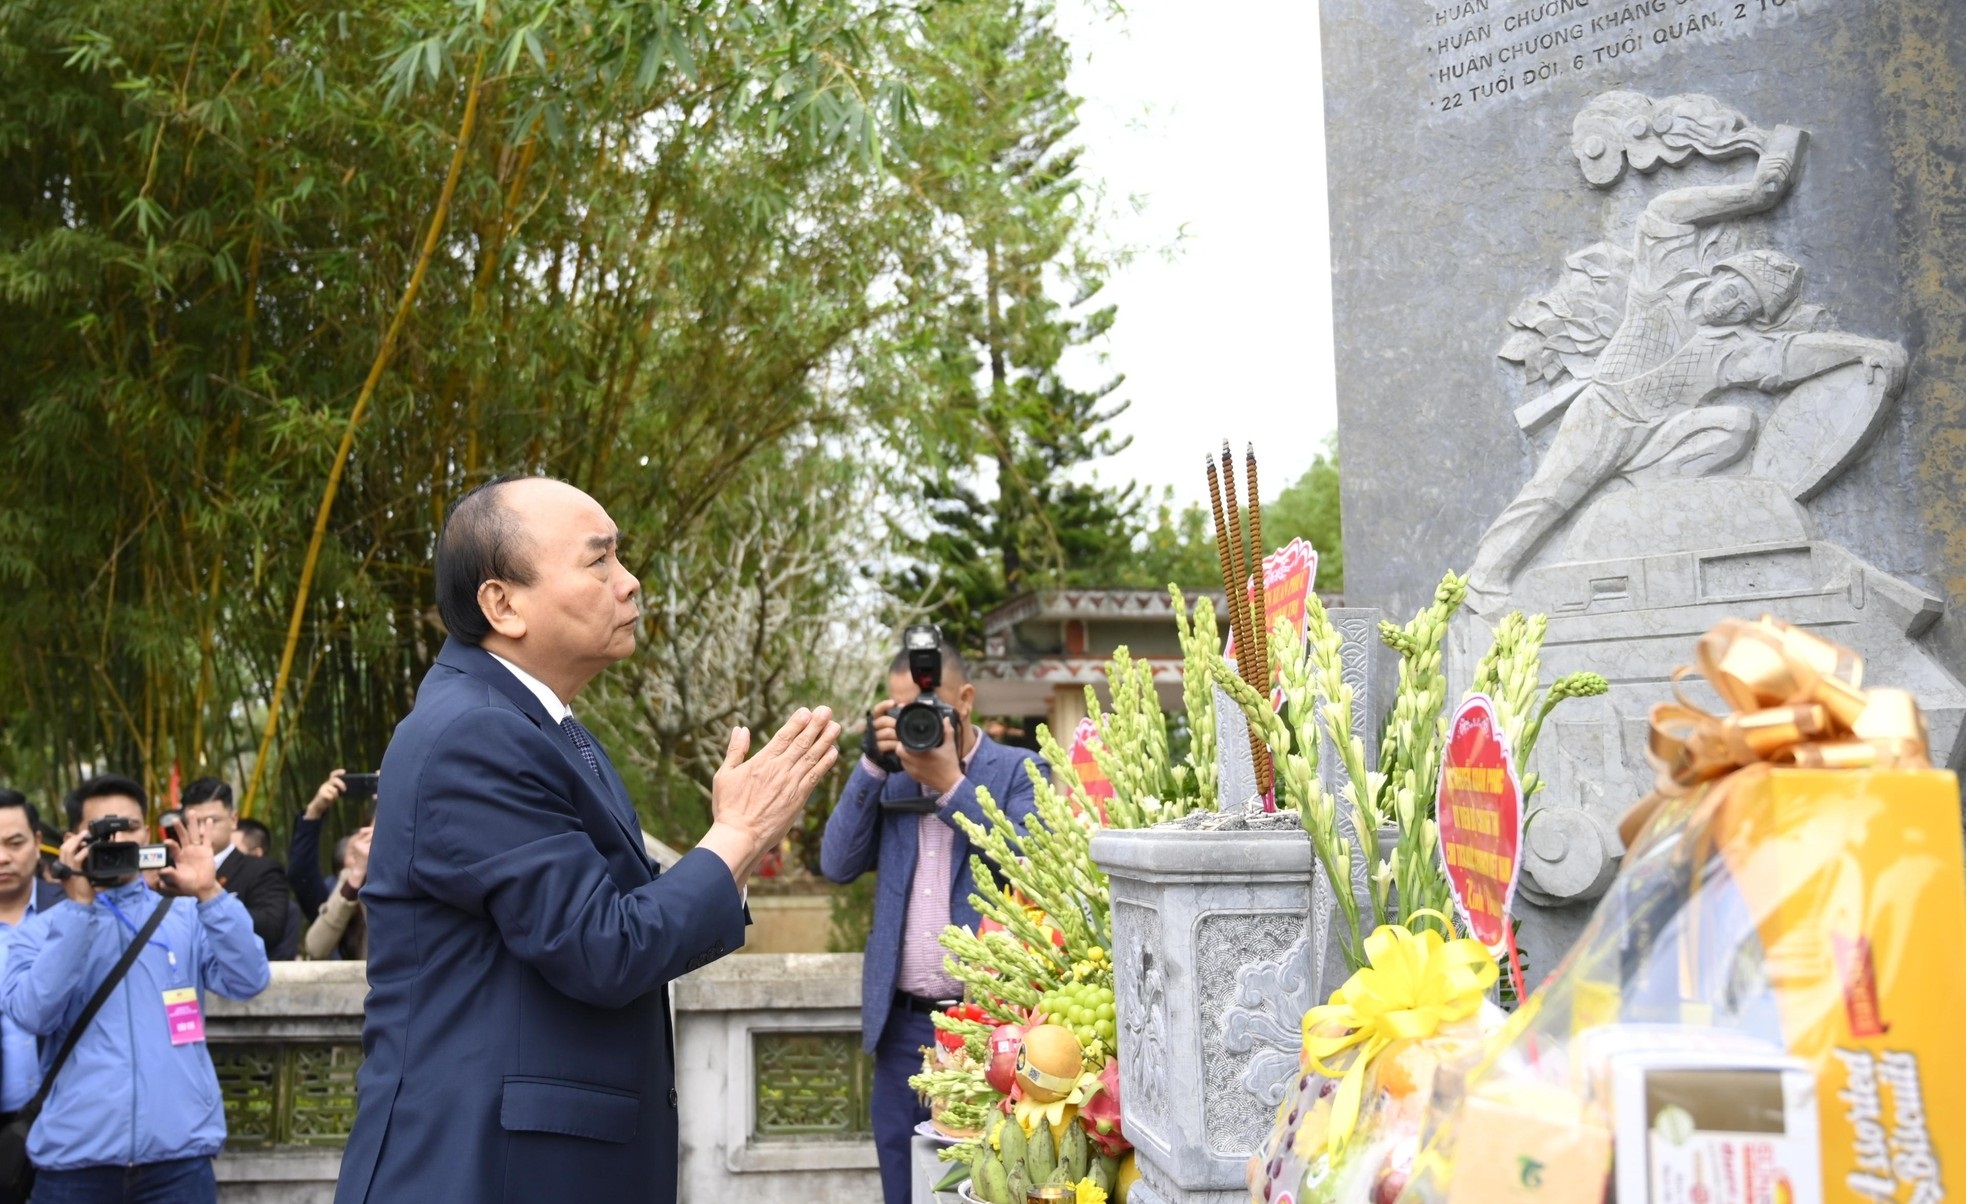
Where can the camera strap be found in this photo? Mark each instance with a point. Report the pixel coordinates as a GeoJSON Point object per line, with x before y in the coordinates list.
{"type": "Point", "coordinates": [96, 1001]}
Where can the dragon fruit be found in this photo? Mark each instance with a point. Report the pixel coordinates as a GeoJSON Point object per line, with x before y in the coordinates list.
{"type": "Point", "coordinates": [1006, 1040]}
{"type": "Point", "coordinates": [1101, 1113]}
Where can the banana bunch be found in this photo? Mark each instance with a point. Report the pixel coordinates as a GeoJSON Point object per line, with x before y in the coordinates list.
{"type": "Point", "coordinates": [1007, 1163]}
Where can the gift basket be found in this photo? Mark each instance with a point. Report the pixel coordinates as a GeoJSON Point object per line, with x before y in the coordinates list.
{"type": "Point", "coordinates": [1768, 1004]}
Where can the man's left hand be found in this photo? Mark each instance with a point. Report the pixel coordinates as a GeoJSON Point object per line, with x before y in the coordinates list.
{"type": "Point", "coordinates": [939, 770]}
{"type": "Point", "coordinates": [194, 872]}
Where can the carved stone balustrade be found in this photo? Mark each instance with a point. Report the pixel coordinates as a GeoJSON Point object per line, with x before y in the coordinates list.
{"type": "Point", "coordinates": [769, 1065]}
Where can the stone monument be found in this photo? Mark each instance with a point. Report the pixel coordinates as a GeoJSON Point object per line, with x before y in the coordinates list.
{"type": "Point", "coordinates": [1676, 288]}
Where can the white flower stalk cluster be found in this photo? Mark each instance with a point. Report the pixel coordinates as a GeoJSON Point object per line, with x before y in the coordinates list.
{"type": "Point", "coordinates": [1508, 673]}
{"type": "Point", "coordinates": [1131, 747]}
{"type": "Point", "coordinates": [1044, 867]}
{"type": "Point", "coordinates": [1200, 644]}
{"type": "Point", "coordinates": [1411, 746]}
{"type": "Point", "coordinates": [1398, 793]}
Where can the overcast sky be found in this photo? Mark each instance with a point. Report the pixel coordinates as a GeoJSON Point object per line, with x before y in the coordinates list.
{"type": "Point", "coordinates": [1205, 125]}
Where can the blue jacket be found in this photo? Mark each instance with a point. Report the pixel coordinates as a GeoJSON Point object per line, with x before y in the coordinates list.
{"type": "Point", "coordinates": [860, 836]}
{"type": "Point", "coordinates": [517, 1030]}
{"type": "Point", "coordinates": [127, 1095]}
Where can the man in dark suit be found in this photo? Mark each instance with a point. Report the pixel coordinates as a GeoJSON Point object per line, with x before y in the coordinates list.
{"type": "Point", "coordinates": [260, 883]}
{"type": "Point", "coordinates": [922, 884]}
{"type": "Point", "coordinates": [517, 1030]}
{"type": "Point", "coordinates": [22, 894]}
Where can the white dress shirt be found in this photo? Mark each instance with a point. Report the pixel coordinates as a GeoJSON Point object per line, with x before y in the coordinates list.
{"type": "Point", "coordinates": [559, 710]}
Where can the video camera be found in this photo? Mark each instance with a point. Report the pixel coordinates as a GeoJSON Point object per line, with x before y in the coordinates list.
{"type": "Point", "coordinates": [110, 861]}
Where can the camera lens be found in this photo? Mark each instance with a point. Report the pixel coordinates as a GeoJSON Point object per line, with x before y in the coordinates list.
{"type": "Point", "coordinates": [919, 727]}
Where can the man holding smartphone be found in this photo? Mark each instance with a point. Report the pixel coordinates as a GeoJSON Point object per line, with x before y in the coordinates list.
{"type": "Point", "coordinates": [311, 887]}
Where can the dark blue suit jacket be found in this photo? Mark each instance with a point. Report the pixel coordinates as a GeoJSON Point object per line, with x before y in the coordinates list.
{"type": "Point", "coordinates": [860, 836]}
{"type": "Point", "coordinates": [517, 1030]}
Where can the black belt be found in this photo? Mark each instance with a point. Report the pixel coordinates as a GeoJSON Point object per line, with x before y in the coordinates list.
{"type": "Point", "coordinates": [916, 1003]}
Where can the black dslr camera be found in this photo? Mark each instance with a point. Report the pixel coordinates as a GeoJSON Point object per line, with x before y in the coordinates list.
{"type": "Point", "coordinates": [110, 861]}
{"type": "Point", "coordinates": [919, 725]}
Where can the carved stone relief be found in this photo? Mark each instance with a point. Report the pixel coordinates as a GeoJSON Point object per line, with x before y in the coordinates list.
{"type": "Point", "coordinates": [1690, 354]}
{"type": "Point", "coordinates": [1686, 398]}
{"type": "Point", "coordinates": [1141, 1000]}
{"type": "Point", "coordinates": [1228, 944]}
{"type": "Point", "coordinates": [1264, 1022]}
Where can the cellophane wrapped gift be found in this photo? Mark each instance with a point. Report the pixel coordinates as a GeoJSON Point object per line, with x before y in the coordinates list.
{"type": "Point", "coordinates": [1351, 1123]}
{"type": "Point", "coordinates": [1768, 1003]}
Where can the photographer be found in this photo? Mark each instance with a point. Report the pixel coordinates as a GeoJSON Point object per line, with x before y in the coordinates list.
{"type": "Point", "coordinates": [897, 816]}
{"type": "Point", "coordinates": [134, 1114]}
{"type": "Point", "coordinates": [343, 925]}
{"type": "Point", "coordinates": [304, 846]}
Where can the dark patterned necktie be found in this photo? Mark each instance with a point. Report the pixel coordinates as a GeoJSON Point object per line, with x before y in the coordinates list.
{"type": "Point", "coordinates": [582, 741]}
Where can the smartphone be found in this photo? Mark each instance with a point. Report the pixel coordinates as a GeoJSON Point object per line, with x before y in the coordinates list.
{"type": "Point", "coordinates": [359, 785]}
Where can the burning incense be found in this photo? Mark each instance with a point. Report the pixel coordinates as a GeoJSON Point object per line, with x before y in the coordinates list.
{"type": "Point", "coordinates": [1261, 637]}
{"type": "Point", "coordinates": [1236, 591]}
{"type": "Point", "coordinates": [1236, 588]}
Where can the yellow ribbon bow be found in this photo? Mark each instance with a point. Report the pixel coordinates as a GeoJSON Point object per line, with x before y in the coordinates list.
{"type": "Point", "coordinates": [1794, 700]}
{"type": "Point", "coordinates": [1413, 984]}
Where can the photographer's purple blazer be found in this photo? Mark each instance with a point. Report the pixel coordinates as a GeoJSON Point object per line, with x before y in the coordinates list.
{"type": "Point", "coordinates": [517, 1031]}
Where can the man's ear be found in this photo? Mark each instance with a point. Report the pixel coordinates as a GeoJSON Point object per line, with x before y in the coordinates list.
{"type": "Point", "coordinates": [966, 698]}
{"type": "Point", "coordinates": [495, 599]}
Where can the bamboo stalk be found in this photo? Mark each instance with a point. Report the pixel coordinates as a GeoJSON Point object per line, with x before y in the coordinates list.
{"type": "Point", "coordinates": [384, 354]}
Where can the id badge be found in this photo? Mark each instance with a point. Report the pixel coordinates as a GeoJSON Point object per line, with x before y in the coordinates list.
{"type": "Point", "coordinates": [182, 1015]}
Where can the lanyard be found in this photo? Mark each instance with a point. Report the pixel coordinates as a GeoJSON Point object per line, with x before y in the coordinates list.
{"type": "Point", "coordinates": [169, 956]}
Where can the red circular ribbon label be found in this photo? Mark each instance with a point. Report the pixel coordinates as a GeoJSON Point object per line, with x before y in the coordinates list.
{"type": "Point", "coordinates": [1479, 813]}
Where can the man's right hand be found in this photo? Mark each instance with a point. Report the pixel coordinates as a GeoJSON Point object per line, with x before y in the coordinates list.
{"type": "Point", "coordinates": [329, 793]}
{"type": "Point", "coordinates": [73, 852]}
{"type": "Point", "coordinates": [754, 803]}
{"type": "Point", "coordinates": [882, 723]}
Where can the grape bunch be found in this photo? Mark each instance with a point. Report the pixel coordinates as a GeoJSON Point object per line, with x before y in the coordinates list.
{"type": "Point", "coordinates": [1087, 1008]}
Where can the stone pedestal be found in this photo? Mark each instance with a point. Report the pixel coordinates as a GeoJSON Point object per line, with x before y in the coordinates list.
{"type": "Point", "coordinates": [1213, 969]}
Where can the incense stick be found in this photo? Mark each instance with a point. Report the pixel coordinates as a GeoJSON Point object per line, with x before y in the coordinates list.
{"type": "Point", "coordinates": [1261, 641]}
{"type": "Point", "coordinates": [1222, 538]}
{"type": "Point", "coordinates": [1261, 636]}
{"type": "Point", "coordinates": [1236, 590]}
{"type": "Point", "coordinates": [1236, 593]}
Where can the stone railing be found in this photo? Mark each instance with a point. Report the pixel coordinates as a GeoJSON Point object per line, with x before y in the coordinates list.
{"type": "Point", "coordinates": [286, 1061]}
{"type": "Point", "coordinates": [769, 1063]}
{"type": "Point", "coordinates": [770, 1069]}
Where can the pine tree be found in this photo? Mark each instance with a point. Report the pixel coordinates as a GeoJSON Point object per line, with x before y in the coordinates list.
{"type": "Point", "coordinates": [1001, 512]}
